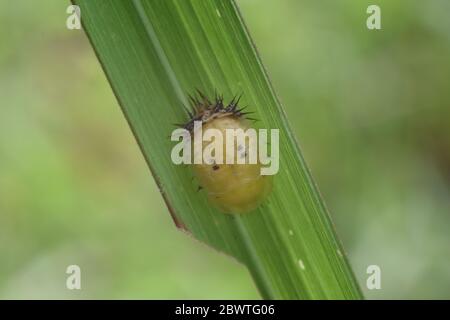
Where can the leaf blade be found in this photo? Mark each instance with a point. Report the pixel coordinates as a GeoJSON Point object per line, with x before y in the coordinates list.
{"type": "Point", "coordinates": [154, 53]}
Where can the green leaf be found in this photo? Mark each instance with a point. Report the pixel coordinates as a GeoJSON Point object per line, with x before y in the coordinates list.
{"type": "Point", "coordinates": [155, 53]}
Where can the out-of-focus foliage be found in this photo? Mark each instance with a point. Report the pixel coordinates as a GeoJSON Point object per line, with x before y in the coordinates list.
{"type": "Point", "coordinates": [371, 110]}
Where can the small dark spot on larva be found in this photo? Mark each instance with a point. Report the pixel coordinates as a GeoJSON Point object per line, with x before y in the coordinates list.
{"type": "Point", "coordinates": [215, 167]}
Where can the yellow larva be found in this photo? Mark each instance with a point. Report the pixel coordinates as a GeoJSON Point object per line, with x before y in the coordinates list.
{"type": "Point", "coordinates": [233, 188]}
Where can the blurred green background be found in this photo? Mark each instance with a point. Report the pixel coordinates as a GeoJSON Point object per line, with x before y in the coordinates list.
{"type": "Point", "coordinates": [371, 111]}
